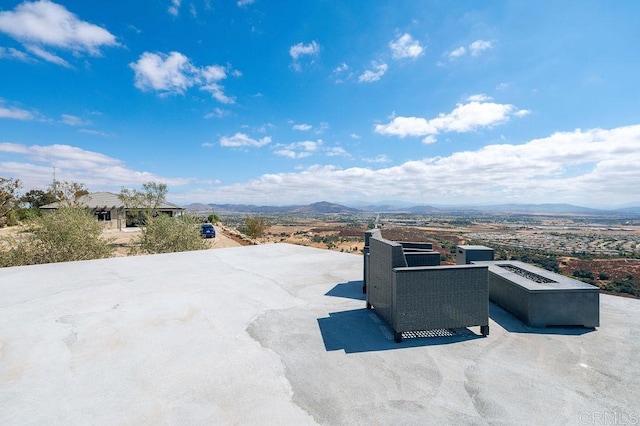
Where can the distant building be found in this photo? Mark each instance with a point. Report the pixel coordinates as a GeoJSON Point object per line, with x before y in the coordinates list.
{"type": "Point", "coordinates": [109, 209]}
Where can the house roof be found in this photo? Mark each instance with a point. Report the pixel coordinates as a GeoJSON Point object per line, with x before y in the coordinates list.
{"type": "Point", "coordinates": [108, 200]}
{"type": "Point", "coordinates": [279, 334]}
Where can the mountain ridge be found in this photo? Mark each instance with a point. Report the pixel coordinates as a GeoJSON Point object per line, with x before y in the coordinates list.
{"type": "Point", "coordinates": [326, 207]}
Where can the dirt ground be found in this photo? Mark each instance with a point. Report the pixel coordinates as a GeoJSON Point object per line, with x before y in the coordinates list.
{"type": "Point", "coordinates": [123, 239]}
{"type": "Point", "coordinates": [352, 241]}
{"type": "Point", "coordinates": [615, 268]}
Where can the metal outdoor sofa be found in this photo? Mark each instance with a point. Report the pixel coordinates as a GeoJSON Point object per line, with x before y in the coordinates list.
{"type": "Point", "coordinates": [416, 298]}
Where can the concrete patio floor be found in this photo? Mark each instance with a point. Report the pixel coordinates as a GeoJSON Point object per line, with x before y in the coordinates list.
{"type": "Point", "coordinates": [279, 334]}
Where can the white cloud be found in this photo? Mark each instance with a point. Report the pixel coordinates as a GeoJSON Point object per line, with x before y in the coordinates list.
{"type": "Point", "coordinates": [342, 72]}
{"type": "Point", "coordinates": [464, 118]}
{"type": "Point", "coordinates": [354, 136]}
{"type": "Point", "coordinates": [475, 49]}
{"type": "Point", "coordinates": [382, 158]}
{"type": "Point", "coordinates": [303, 127]}
{"type": "Point", "coordinates": [72, 120]}
{"type": "Point", "coordinates": [171, 73]}
{"type": "Point", "coordinates": [429, 140]}
{"type": "Point", "coordinates": [265, 128]}
{"type": "Point", "coordinates": [47, 56]}
{"type": "Point", "coordinates": [405, 47]}
{"type": "Point", "coordinates": [213, 73]}
{"type": "Point", "coordinates": [479, 98]}
{"type": "Point", "coordinates": [577, 167]}
{"type": "Point", "coordinates": [456, 53]}
{"type": "Point", "coordinates": [286, 153]}
{"type": "Point", "coordinates": [16, 113]}
{"type": "Point", "coordinates": [242, 3]}
{"type": "Point", "coordinates": [322, 127]}
{"type": "Point", "coordinates": [479, 46]}
{"type": "Point", "coordinates": [174, 73]}
{"type": "Point", "coordinates": [12, 53]}
{"type": "Point", "coordinates": [337, 151]}
{"type": "Point", "coordinates": [94, 132]}
{"type": "Point", "coordinates": [174, 9]}
{"type": "Point", "coordinates": [33, 164]}
{"type": "Point", "coordinates": [13, 148]}
{"type": "Point", "coordinates": [44, 24]}
{"type": "Point", "coordinates": [407, 126]}
{"type": "Point", "coordinates": [300, 50]}
{"type": "Point", "coordinates": [522, 112]}
{"type": "Point", "coordinates": [217, 113]}
{"type": "Point", "coordinates": [341, 68]}
{"type": "Point", "coordinates": [217, 92]}
{"type": "Point", "coordinates": [298, 149]}
{"type": "Point", "coordinates": [369, 76]}
{"type": "Point", "coordinates": [71, 157]}
{"type": "Point", "coordinates": [242, 140]}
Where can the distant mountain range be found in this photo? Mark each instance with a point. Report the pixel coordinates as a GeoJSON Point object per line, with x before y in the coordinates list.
{"type": "Point", "coordinates": [315, 208]}
{"type": "Point", "coordinates": [325, 207]}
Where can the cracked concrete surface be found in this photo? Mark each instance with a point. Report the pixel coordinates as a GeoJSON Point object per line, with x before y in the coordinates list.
{"type": "Point", "coordinates": [278, 334]}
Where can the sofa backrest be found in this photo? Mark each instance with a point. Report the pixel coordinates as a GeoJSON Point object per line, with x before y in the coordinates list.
{"type": "Point", "coordinates": [422, 257]}
{"type": "Point", "coordinates": [420, 245]}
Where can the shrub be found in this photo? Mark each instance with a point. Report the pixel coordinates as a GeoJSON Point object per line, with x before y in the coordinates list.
{"type": "Point", "coordinates": [583, 273]}
{"type": "Point", "coordinates": [64, 235]}
{"type": "Point", "coordinates": [8, 199]}
{"type": "Point", "coordinates": [623, 286]}
{"type": "Point", "coordinates": [255, 226]}
{"type": "Point", "coordinates": [165, 234]}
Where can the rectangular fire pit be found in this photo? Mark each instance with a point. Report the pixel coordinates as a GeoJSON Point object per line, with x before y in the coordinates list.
{"type": "Point", "coordinates": [542, 298]}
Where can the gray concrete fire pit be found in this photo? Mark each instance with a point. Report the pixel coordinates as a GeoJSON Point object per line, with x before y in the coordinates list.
{"type": "Point", "coordinates": [542, 298]}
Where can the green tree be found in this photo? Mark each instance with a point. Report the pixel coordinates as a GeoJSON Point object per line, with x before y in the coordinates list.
{"type": "Point", "coordinates": [165, 234]}
{"type": "Point", "coordinates": [64, 235]}
{"type": "Point", "coordinates": [254, 226]}
{"type": "Point", "coordinates": [68, 193]}
{"type": "Point", "coordinates": [212, 218]}
{"type": "Point", "coordinates": [144, 204]}
{"type": "Point", "coordinates": [9, 200]}
{"type": "Point", "coordinates": [37, 198]}
{"type": "Point", "coordinates": [34, 199]}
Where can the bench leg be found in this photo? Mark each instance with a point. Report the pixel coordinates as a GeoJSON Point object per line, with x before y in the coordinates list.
{"type": "Point", "coordinates": [484, 329]}
{"type": "Point", "coordinates": [397, 337]}
{"type": "Point", "coordinates": [368, 305]}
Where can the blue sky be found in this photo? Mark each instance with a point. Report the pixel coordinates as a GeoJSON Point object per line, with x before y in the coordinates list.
{"type": "Point", "coordinates": [288, 102]}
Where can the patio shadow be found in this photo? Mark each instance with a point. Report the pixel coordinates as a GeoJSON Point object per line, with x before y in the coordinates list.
{"type": "Point", "coordinates": [361, 330]}
{"type": "Point", "coordinates": [350, 290]}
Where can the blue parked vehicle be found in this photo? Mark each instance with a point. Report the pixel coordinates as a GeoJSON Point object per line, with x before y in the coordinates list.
{"type": "Point", "coordinates": [207, 230]}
